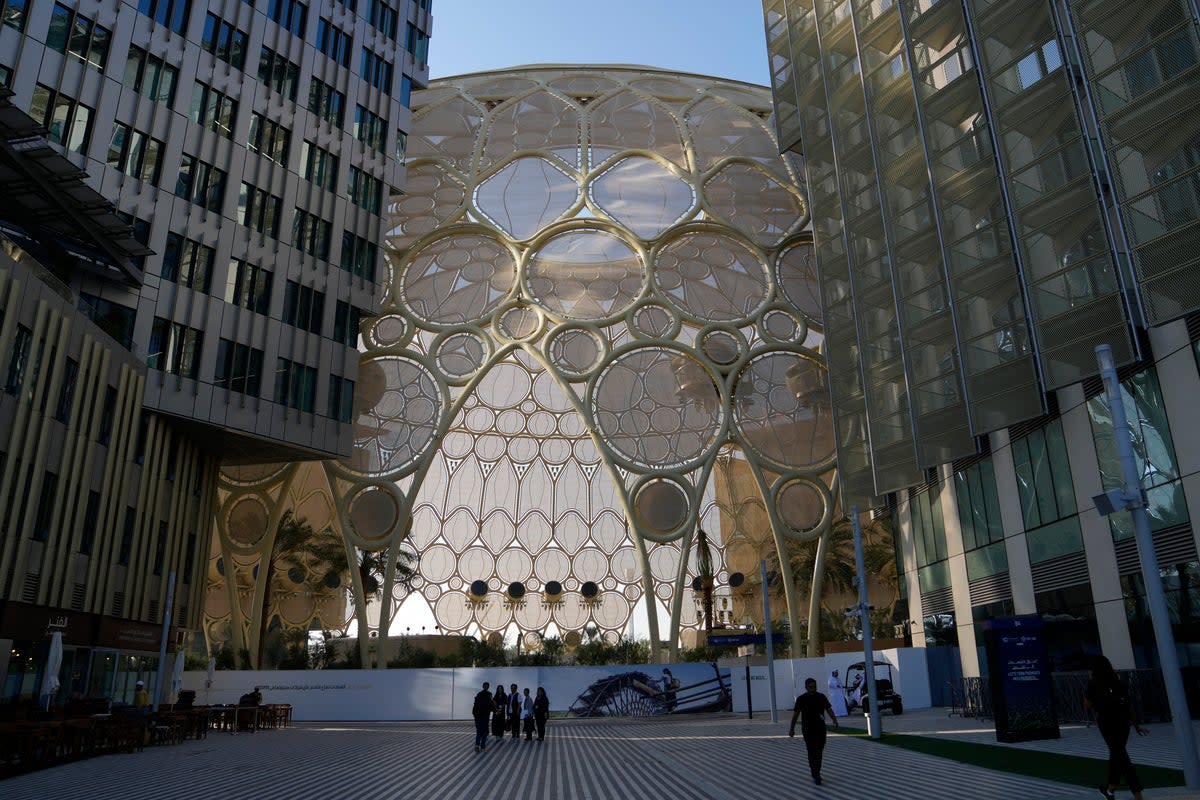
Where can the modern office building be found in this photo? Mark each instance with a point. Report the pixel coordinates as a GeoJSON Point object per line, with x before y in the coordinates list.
{"type": "Point", "coordinates": [997, 187]}
{"type": "Point", "coordinates": [253, 148]}
{"type": "Point", "coordinates": [600, 332]}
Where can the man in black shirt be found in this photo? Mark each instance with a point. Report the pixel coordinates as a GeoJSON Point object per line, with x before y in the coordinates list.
{"type": "Point", "coordinates": [811, 708]}
{"type": "Point", "coordinates": [482, 710]}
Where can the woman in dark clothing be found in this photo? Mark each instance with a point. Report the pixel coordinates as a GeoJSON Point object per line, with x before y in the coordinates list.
{"type": "Point", "coordinates": [1107, 695]}
{"type": "Point", "coordinates": [541, 710]}
{"type": "Point", "coordinates": [499, 721]}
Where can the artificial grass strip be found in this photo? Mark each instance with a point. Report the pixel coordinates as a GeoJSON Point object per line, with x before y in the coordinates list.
{"type": "Point", "coordinates": [1076, 770]}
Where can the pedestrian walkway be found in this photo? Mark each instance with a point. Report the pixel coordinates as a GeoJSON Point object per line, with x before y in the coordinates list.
{"type": "Point", "coordinates": [708, 757]}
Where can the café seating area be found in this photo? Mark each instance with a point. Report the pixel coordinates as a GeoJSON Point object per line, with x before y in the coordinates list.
{"type": "Point", "coordinates": [33, 739]}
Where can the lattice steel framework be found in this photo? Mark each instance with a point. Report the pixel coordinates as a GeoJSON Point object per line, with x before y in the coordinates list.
{"type": "Point", "coordinates": [601, 329]}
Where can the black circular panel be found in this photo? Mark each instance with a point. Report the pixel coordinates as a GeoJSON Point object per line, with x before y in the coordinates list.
{"type": "Point", "coordinates": [589, 589]}
{"type": "Point", "coordinates": [479, 588]}
{"type": "Point", "coordinates": [553, 588]}
{"type": "Point", "coordinates": [516, 590]}
{"type": "Point", "coordinates": [736, 579]}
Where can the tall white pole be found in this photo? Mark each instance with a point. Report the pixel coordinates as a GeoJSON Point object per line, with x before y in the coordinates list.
{"type": "Point", "coordinates": [1135, 500]}
{"type": "Point", "coordinates": [860, 578]}
{"type": "Point", "coordinates": [762, 566]}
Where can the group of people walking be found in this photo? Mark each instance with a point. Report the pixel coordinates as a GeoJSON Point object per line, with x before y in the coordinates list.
{"type": "Point", "coordinates": [514, 711]}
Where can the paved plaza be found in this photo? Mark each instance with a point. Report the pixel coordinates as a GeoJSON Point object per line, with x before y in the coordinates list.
{"type": "Point", "coordinates": [710, 757]}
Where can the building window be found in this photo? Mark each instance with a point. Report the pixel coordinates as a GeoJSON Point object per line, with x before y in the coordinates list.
{"type": "Point", "coordinates": [270, 139]}
{"type": "Point", "coordinates": [74, 34]}
{"type": "Point", "coordinates": [91, 518]}
{"type": "Point", "coordinates": [341, 398]}
{"type": "Point", "coordinates": [326, 102]}
{"type": "Point", "coordinates": [277, 72]}
{"type": "Point", "coordinates": [311, 234]}
{"type": "Point", "coordinates": [401, 145]}
{"type": "Point", "coordinates": [18, 360]}
{"type": "Point", "coordinates": [349, 5]}
{"type": "Point", "coordinates": [107, 412]}
{"type": "Point", "coordinates": [213, 110]}
{"type": "Point", "coordinates": [320, 166]}
{"type": "Point", "coordinates": [303, 307]}
{"type": "Point", "coordinates": [150, 76]}
{"type": "Point", "coordinates": [979, 518]}
{"type": "Point", "coordinates": [201, 183]}
{"type": "Point", "coordinates": [126, 548]}
{"type": "Point", "coordinates": [172, 13]}
{"type": "Point", "coordinates": [12, 12]}
{"type": "Point", "coordinates": [259, 210]}
{"type": "Point", "coordinates": [346, 319]}
{"type": "Point", "coordinates": [45, 507]}
{"type": "Point", "coordinates": [364, 190]}
{"type": "Point", "coordinates": [239, 368]}
{"type": "Point", "coordinates": [160, 548]}
{"type": "Point", "coordinates": [114, 319]}
{"type": "Point", "coordinates": [188, 263]}
{"type": "Point", "coordinates": [358, 256]}
{"type": "Point", "coordinates": [370, 129]}
{"type": "Point", "coordinates": [174, 348]}
{"type": "Point", "coordinates": [248, 286]}
{"type": "Point", "coordinates": [5, 76]}
{"type": "Point", "coordinates": [66, 392]}
{"type": "Point", "coordinates": [69, 122]}
{"type": "Point", "coordinates": [333, 42]}
{"type": "Point", "coordinates": [929, 534]}
{"type": "Point", "coordinates": [290, 15]}
{"type": "Point", "coordinates": [406, 87]}
{"type": "Point", "coordinates": [383, 17]}
{"type": "Point", "coordinates": [375, 70]}
{"type": "Point", "coordinates": [1146, 417]}
{"type": "Point", "coordinates": [295, 385]}
{"type": "Point", "coordinates": [417, 43]}
{"type": "Point", "coordinates": [135, 153]}
{"type": "Point", "coordinates": [224, 41]}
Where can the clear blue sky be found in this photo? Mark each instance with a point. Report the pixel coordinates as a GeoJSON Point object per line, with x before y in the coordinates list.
{"type": "Point", "coordinates": [720, 38]}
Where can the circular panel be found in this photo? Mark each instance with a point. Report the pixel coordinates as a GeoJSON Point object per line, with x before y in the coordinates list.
{"type": "Point", "coordinates": [712, 277]}
{"type": "Point", "coordinates": [479, 419]}
{"type": "Point", "coordinates": [437, 563]}
{"type": "Point", "coordinates": [456, 444]}
{"type": "Point", "coordinates": [247, 521]}
{"type": "Point", "coordinates": [519, 322]}
{"type": "Point", "coordinates": [798, 279]}
{"type": "Point", "coordinates": [296, 608]}
{"type": "Point", "coordinates": [549, 394]}
{"type": "Point", "coordinates": [432, 592]}
{"type": "Point", "coordinates": [612, 611]}
{"type": "Point", "coordinates": [661, 505]}
{"type": "Point", "coordinates": [505, 385]}
{"type": "Point", "coordinates": [780, 326]}
{"type": "Point", "coordinates": [585, 274]}
{"type": "Point", "coordinates": [800, 504]}
{"type": "Point", "coordinates": [589, 564]}
{"type": "Point", "coordinates": [510, 422]}
{"type": "Point", "coordinates": [476, 563]}
{"type": "Point", "coordinates": [663, 591]}
{"type": "Point", "coordinates": [249, 473]}
{"type": "Point", "coordinates": [526, 195]}
{"type": "Point", "coordinates": [657, 407]}
{"type": "Point", "coordinates": [389, 330]}
{"type": "Point", "coordinates": [576, 351]}
{"type": "Point", "coordinates": [721, 347]}
{"type": "Point", "coordinates": [533, 614]}
{"type": "Point", "coordinates": [461, 354]}
{"type": "Point", "coordinates": [753, 202]}
{"type": "Point", "coordinates": [216, 601]}
{"type": "Point", "coordinates": [490, 447]}
{"type": "Point", "coordinates": [571, 614]}
{"type": "Point", "coordinates": [493, 616]}
{"type": "Point", "coordinates": [553, 565]}
{"type": "Point", "coordinates": [781, 405]}
{"type": "Point", "coordinates": [626, 566]}
{"type": "Point", "coordinates": [653, 321]}
{"type": "Point", "coordinates": [522, 449]}
{"type": "Point", "coordinates": [642, 195]}
{"type": "Point", "coordinates": [478, 588]}
{"type": "Point", "coordinates": [514, 565]}
{"type": "Point", "coordinates": [458, 279]}
{"type": "Point", "coordinates": [374, 513]}
{"type": "Point", "coordinates": [452, 611]}
{"type": "Point", "coordinates": [396, 404]}
{"type": "Point", "coordinates": [556, 451]}
{"type": "Point", "coordinates": [571, 425]}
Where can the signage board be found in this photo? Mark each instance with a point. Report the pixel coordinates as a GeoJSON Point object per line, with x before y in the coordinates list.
{"type": "Point", "coordinates": [1021, 687]}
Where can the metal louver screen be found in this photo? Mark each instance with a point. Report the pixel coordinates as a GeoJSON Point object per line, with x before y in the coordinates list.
{"type": "Point", "coordinates": [991, 589]}
{"type": "Point", "coordinates": [29, 592]}
{"type": "Point", "coordinates": [1060, 573]}
{"type": "Point", "coordinates": [1174, 545]}
{"type": "Point", "coordinates": [939, 602]}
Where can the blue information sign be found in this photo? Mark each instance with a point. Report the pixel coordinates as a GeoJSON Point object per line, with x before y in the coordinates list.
{"type": "Point", "coordinates": [1021, 687]}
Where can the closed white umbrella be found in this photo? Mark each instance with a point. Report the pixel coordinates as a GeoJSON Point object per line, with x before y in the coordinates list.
{"type": "Point", "coordinates": [177, 675]}
{"type": "Point", "coordinates": [53, 666]}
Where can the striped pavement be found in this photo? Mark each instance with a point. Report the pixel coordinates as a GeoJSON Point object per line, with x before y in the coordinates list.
{"type": "Point", "coordinates": [709, 757]}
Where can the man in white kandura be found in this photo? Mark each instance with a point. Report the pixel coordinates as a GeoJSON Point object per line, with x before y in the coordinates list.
{"type": "Point", "coordinates": [837, 695]}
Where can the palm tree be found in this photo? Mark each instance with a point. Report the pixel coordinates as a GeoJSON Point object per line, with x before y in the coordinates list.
{"type": "Point", "coordinates": [372, 566]}
{"type": "Point", "coordinates": [298, 545]}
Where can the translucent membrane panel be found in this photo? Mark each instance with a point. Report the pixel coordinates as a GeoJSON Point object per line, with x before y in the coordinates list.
{"type": "Point", "coordinates": [781, 406]}
{"type": "Point", "coordinates": [721, 130]}
{"type": "Point", "coordinates": [396, 410]}
{"type": "Point", "coordinates": [643, 195]}
{"type": "Point", "coordinates": [585, 274]}
{"type": "Point", "coordinates": [451, 132]}
{"type": "Point", "coordinates": [798, 279]}
{"type": "Point", "coordinates": [753, 202]}
{"type": "Point", "coordinates": [711, 277]}
{"type": "Point", "coordinates": [525, 196]}
{"type": "Point", "coordinates": [657, 407]}
{"type": "Point", "coordinates": [629, 121]}
{"type": "Point", "coordinates": [540, 121]}
{"type": "Point", "coordinates": [457, 279]}
{"type": "Point", "coordinates": [431, 197]}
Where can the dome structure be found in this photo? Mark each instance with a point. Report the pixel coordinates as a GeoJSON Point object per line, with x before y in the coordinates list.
{"type": "Point", "coordinates": [601, 331]}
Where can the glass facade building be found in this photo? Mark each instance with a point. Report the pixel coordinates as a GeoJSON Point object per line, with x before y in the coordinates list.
{"type": "Point", "coordinates": [997, 187]}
